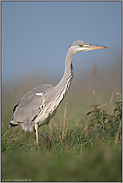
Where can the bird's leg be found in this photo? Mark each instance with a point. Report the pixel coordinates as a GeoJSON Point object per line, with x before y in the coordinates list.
{"type": "Point", "coordinates": [47, 140]}
{"type": "Point", "coordinates": [36, 128]}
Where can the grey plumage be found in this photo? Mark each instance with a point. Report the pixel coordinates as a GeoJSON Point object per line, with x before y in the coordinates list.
{"type": "Point", "coordinates": [29, 107]}
{"type": "Point", "coordinates": [39, 105]}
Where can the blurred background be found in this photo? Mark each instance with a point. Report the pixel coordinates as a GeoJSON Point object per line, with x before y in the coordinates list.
{"type": "Point", "coordinates": [37, 35]}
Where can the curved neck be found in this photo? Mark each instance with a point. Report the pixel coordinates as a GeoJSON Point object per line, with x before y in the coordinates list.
{"type": "Point", "coordinates": [65, 82]}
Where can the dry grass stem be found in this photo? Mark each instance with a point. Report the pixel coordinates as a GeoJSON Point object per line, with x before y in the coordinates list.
{"type": "Point", "coordinates": [86, 125]}
{"type": "Point", "coordinates": [55, 125]}
{"type": "Point", "coordinates": [118, 94]}
{"type": "Point", "coordinates": [99, 107]}
{"type": "Point", "coordinates": [64, 123]}
{"type": "Point", "coordinates": [5, 133]}
{"type": "Point", "coordinates": [110, 109]}
{"type": "Point", "coordinates": [51, 132]}
{"type": "Point", "coordinates": [118, 76]}
{"type": "Point", "coordinates": [90, 100]}
{"type": "Point", "coordinates": [60, 118]}
{"type": "Point", "coordinates": [20, 130]}
{"type": "Point", "coordinates": [14, 138]}
{"type": "Point", "coordinates": [118, 131]}
{"type": "Point", "coordinates": [94, 93]}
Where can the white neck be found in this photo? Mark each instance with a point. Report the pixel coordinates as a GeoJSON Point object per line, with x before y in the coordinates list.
{"type": "Point", "coordinates": [62, 87]}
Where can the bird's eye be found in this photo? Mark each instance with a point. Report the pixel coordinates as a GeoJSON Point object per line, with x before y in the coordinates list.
{"type": "Point", "coordinates": [81, 45]}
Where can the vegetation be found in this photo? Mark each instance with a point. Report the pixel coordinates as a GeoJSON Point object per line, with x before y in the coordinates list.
{"type": "Point", "coordinates": [85, 149]}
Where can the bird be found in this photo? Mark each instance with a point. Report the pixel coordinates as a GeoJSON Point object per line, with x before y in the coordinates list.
{"type": "Point", "coordinates": [40, 104]}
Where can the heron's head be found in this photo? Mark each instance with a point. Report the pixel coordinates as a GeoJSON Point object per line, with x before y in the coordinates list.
{"type": "Point", "coordinates": [79, 46]}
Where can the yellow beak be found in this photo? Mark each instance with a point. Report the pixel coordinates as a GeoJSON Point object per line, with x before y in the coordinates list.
{"type": "Point", "coordinates": [94, 47]}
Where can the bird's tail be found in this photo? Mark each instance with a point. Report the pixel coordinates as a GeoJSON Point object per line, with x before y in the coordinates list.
{"type": "Point", "coordinates": [13, 123]}
{"type": "Point", "coordinates": [27, 126]}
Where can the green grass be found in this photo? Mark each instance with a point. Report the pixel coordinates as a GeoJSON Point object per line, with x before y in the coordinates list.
{"type": "Point", "coordinates": [98, 163]}
{"type": "Point", "coordinates": [86, 145]}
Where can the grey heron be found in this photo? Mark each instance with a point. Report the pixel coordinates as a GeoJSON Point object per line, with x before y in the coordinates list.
{"type": "Point", "coordinates": [39, 105]}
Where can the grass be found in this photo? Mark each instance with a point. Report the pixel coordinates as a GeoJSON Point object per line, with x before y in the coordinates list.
{"type": "Point", "coordinates": [84, 148]}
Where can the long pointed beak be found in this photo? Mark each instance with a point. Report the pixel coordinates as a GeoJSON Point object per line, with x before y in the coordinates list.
{"type": "Point", "coordinates": [94, 47]}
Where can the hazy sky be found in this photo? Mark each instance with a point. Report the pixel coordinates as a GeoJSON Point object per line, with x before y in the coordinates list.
{"type": "Point", "coordinates": [37, 35]}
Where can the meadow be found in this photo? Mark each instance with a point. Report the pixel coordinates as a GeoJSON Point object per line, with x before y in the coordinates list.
{"type": "Point", "coordinates": [86, 138]}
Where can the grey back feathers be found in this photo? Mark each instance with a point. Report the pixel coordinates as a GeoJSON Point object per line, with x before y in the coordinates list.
{"type": "Point", "coordinates": [29, 107]}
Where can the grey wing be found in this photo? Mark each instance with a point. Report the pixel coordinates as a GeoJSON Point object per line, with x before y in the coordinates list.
{"type": "Point", "coordinates": [29, 107]}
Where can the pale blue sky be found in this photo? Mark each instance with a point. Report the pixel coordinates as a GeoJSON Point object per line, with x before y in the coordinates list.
{"type": "Point", "coordinates": [37, 35]}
